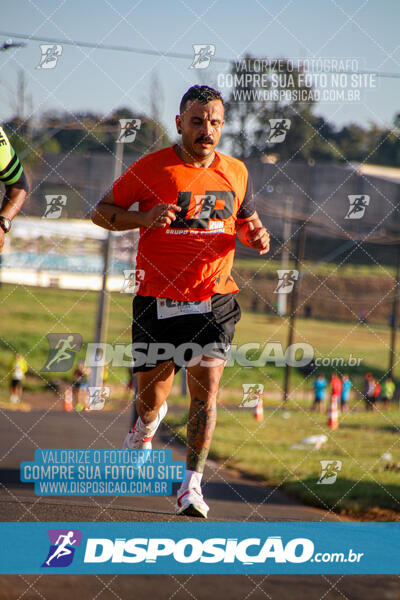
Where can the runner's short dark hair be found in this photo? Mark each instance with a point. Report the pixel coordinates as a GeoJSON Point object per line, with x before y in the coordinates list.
{"type": "Point", "coordinates": [201, 93]}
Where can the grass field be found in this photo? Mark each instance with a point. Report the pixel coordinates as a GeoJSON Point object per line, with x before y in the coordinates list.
{"type": "Point", "coordinates": [263, 450]}
{"type": "Point", "coordinates": [27, 314]}
{"type": "Point", "coordinates": [323, 268]}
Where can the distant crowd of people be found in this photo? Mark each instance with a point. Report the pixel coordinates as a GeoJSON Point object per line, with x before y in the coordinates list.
{"type": "Point", "coordinates": [18, 369]}
{"type": "Point", "coordinates": [340, 387]}
{"type": "Point", "coordinates": [375, 392]}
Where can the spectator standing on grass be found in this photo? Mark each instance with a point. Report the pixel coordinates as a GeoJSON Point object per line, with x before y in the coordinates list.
{"type": "Point", "coordinates": [377, 392]}
{"type": "Point", "coordinates": [80, 385]}
{"type": "Point", "coordinates": [320, 385]}
{"type": "Point", "coordinates": [18, 369]}
{"type": "Point", "coordinates": [369, 388]}
{"type": "Point", "coordinates": [388, 389]}
{"type": "Point", "coordinates": [344, 398]}
{"type": "Point", "coordinates": [254, 304]}
{"type": "Point", "coordinates": [363, 317]}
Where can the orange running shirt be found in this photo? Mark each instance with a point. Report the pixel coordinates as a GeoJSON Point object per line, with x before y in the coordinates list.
{"type": "Point", "coordinates": [192, 258]}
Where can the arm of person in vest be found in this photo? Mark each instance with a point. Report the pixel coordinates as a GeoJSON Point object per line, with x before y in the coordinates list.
{"type": "Point", "coordinates": [13, 177]}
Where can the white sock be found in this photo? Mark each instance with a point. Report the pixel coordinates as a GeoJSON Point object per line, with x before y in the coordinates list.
{"type": "Point", "coordinates": [193, 479]}
{"type": "Point", "coordinates": [147, 426]}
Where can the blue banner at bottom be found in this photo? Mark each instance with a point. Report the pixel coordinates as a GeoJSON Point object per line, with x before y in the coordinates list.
{"type": "Point", "coordinates": [203, 547]}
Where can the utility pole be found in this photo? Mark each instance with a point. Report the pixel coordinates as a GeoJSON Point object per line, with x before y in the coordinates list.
{"type": "Point", "coordinates": [395, 315]}
{"type": "Point", "coordinates": [287, 228]}
{"type": "Point", "coordinates": [300, 247]}
{"type": "Point", "coordinates": [100, 336]}
{"type": "Point", "coordinates": [301, 242]}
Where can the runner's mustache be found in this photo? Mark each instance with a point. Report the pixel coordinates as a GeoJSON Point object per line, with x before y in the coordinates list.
{"type": "Point", "coordinates": [208, 140]}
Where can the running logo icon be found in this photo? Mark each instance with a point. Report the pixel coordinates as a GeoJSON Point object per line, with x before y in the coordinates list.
{"type": "Point", "coordinates": [98, 397]}
{"type": "Point", "coordinates": [55, 204]}
{"type": "Point", "coordinates": [204, 204]}
{"type": "Point", "coordinates": [252, 394]}
{"type": "Point", "coordinates": [287, 279]}
{"type": "Point", "coordinates": [132, 279]}
{"type": "Point", "coordinates": [50, 55]}
{"type": "Point", "coordinates": [63, 347]}
{"type": "Point", "coordinates": [358, 204]}
{"type": "Point", "coordinates": [63, 543]}
{"type": "Point", "coordinates": [203, 54]}
{"type": "Point", "coordinates": [129, 129]}
{"type": "Point", "coordinates": [278, 130]}
{"type": "Point", "coordinates": [329, 471]}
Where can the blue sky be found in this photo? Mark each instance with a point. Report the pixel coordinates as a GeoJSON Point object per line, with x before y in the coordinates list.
{"type": "Point", "coordinates": [100, 80]}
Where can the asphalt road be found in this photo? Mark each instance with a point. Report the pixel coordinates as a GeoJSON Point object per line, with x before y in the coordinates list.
{"type": "Point", "coordinates": [231, 498]}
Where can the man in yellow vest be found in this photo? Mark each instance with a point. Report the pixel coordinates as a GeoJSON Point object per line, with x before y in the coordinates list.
{"type": "Point", "coordinates": [18, 369]}
{"type": "Point", "coordinates": [388, 389]}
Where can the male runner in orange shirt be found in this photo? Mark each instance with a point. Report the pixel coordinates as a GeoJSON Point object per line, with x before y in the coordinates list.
{"type": "Point", "coordinates": [192, 202]}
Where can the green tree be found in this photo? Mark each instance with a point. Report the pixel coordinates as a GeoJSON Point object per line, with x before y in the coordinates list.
{"type": "Point", "coordinates": [275, 89]}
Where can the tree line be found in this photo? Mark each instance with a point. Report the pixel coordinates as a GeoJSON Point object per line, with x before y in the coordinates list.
{"type": "Point", "coordinates": [247, 131]}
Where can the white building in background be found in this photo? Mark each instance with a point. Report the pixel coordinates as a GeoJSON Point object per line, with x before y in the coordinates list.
{"type": "Point", "coordinates": [38, 252]}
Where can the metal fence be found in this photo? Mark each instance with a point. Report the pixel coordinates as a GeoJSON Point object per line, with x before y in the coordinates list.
{"type": "Point", "coordinates": [316, 195]}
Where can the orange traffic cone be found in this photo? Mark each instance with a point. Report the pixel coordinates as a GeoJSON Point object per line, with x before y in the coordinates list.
{"type": "Point", "coordinates": [259, 411]}
{"type": "Point", "coordinates": [333, 420]}
{"type": "Point", "coordinates": [68, 399]}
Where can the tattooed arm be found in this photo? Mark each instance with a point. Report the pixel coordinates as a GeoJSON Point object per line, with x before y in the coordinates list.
{"type": "Point", "coordinates": [108, 215]}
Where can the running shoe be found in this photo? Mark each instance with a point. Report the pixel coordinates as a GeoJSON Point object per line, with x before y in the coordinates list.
{"type": "Point", "coordinates": [141, 435]}
{"type": "Point", "coordinates": [190, 502]}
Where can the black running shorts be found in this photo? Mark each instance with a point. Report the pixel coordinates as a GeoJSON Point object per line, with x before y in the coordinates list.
{"type": "Point", "coordinates": [181, 338]}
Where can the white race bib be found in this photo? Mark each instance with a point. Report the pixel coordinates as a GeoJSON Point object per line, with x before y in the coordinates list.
{"type": "Point", "coordinates": [167, 308]}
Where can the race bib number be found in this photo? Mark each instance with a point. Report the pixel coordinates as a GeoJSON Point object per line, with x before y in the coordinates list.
{"type": "Point", "coordinates": [167, 308]}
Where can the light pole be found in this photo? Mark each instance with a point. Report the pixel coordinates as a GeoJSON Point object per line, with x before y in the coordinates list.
{"type": "Point", "coordinates": [287, 228]}
{"type": "Point", "coordinates": [294, 297]}
{"type": "Point", "coordinates": [100, 336]}
{"type": "Point", "coordinates": [395, 315]}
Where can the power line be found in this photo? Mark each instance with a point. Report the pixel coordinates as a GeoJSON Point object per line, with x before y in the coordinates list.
{"type": "Point", "coordinates": [108, 47]}
{"type": "Point", "coordinates": [182, 55]}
